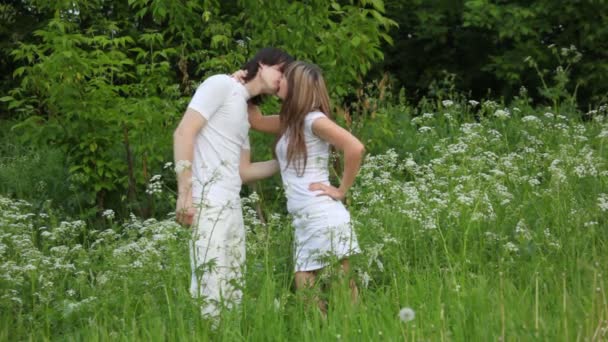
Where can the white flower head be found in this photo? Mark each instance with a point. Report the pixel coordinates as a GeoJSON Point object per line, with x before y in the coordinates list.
{"type": "Point", "coordinates": [277, 304]}
{"type": "Point", "coordinates": [530, 118]}
{"type": "Point", "coordinates": [182, 165]}
{"type": "Point", "coordinates": [406, 315]}
{"type": "Point", "coordinates": [602, 202]}
{"type": "Point", "coordinates": [502, 114]}
{"type": "Point", "coordinates": [109, 214]}
{"type": "Point", "coordinates": [447, 103]}
{"type": "Point", "coordinates": [603, 134]}
{"type": "Point", "coordinates": [473, 103]}
{"type": "Point", "coordinates": [427, 115]}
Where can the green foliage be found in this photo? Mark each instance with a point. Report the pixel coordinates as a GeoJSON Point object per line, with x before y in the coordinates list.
{"type": "Point", "coordinates": [89, 98]}
{"type": "Point", "coordinates": [484, 43]}
{"type": "Point", "coordinates": [480, 224]}
{"type": "Point", "coordinates": [105, 82]}
{"type": "Point", "coordinates": [344, 39]}
{"type": "Point", "coordinates": [37, 174]}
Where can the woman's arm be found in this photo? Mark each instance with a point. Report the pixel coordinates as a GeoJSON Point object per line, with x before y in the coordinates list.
{"type": "Point", "coordinates": [263, 123]}
{"type": "Point", "coordinates": [251, 172]}
{"type": "Point", "coordinates": [353, 151]}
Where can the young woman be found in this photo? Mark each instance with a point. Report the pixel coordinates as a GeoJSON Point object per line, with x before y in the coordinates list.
{"type": "Point", "coordinates": [322, 224]}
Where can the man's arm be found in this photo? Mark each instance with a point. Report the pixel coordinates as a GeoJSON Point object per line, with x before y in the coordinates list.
{"type": "Point", "coordinates": [183, 151]}
{"type": "Point", "coordinates": [251, 172]}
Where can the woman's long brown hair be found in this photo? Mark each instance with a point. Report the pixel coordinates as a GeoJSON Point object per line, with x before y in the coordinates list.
{"type": "Point", "coordinates": [306, 92]}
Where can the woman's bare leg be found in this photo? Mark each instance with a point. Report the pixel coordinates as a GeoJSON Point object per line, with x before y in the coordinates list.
{"type": "Point", "coordinates": [354, 291]}
{"type": "Point", "coordinates": [306, 281]}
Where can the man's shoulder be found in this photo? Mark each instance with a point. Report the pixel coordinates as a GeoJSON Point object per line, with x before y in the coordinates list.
{"type": "Point", "coordinates": [221, 80]}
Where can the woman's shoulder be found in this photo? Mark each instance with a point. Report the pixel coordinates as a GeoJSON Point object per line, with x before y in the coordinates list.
{"type": "Point", "coordinates": [310, 119]}
{"type": "Point", "coordinates": [314, 115]}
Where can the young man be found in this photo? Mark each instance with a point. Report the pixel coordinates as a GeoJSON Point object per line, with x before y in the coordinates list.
{"type": "Point", "coordinates": [212, 159]}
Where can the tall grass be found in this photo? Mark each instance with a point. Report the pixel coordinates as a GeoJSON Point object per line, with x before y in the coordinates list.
{"type": "Point", "coordinates": [489, 222]}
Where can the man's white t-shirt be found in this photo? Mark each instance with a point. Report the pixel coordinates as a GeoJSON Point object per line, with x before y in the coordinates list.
{"type": "Point", "coordinates": [222, 101]}
{"type": "Point", "coordinates": [317, 168]}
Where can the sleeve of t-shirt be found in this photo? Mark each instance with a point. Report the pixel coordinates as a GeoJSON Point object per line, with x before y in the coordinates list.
{"type": "Point", "coordinates": [210, 95]}
{"type": "Point", "coordinates": [310, 118]}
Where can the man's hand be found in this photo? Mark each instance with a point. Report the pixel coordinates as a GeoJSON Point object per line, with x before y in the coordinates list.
{"type": "Point", "coordinates": [327, 190]}
{"type": "Point", "coordinates": [184, 211]}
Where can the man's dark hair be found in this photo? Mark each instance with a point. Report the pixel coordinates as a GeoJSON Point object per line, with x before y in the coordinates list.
{"type": "Point", "coordinates": [268, 56]}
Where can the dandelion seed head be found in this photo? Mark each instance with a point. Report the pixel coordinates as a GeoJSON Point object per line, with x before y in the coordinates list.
{"type": "Point", "coordinates": [406, 315]}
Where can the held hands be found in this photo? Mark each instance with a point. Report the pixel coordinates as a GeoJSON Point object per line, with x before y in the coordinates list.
{"type": "Point", "coordinates": [327, 190]}
{"type": "Point", "coordinates": [184, 211]}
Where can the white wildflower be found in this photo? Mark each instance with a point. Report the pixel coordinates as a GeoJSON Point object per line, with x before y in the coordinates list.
{"type": "Point", "coordinates": [406, 315]}
{"type": "Point", "coordinates": [511, 247]}
{"type": "Point", "coordinates": [491, 236]}
{"type": "Point", "coordinates": [155, 186]}
{"type": "Point", "coordinates": [447, 103]}
{"type": "Point", "coordinates": [489, 104]}
{"type": "Point", "coordinates": [182, 165]}
{"type": "Point", "coordinates": [530, 118]}
{"type": "Point", "coordinates": [602, 202]}
{"type": "Point", "coordinates": [254, 197]}
{"type": "Point", "coordinates": [521, 230]}
{"type": "Point", "coordinates": [277, 304]}
{"type": "Point", "coordinates": [365, 278]}
{"type": "Point", "coordinates": [502, 114]}
{"type": "Point", "coordinates": [108, 213]}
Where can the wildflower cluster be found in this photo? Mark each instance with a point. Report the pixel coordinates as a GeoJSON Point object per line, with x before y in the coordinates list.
{"type": "Point", "coordinates": [66, 265]}
{"type": "Point", "coordinates": [484, 176]}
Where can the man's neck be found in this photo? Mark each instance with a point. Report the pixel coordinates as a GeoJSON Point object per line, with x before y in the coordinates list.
{"type": "Point", "coordinates": [254, 87]}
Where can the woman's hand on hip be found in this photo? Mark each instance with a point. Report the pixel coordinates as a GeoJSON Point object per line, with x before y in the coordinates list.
{"type": "Point", "coordinates": [327, 190]}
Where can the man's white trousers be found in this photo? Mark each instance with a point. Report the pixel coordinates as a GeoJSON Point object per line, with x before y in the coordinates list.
{"type": "Point", "coordinates": [217, 257]}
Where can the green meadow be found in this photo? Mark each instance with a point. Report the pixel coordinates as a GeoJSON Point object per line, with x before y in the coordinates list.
{"type": "Point", "coordinates": [489, 222]}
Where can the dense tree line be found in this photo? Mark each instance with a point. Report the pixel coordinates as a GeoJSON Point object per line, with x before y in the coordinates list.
{"type": "Point", "coordinates": [106, 80]}
{"type": "Point", "coordinates": [485, 45]}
